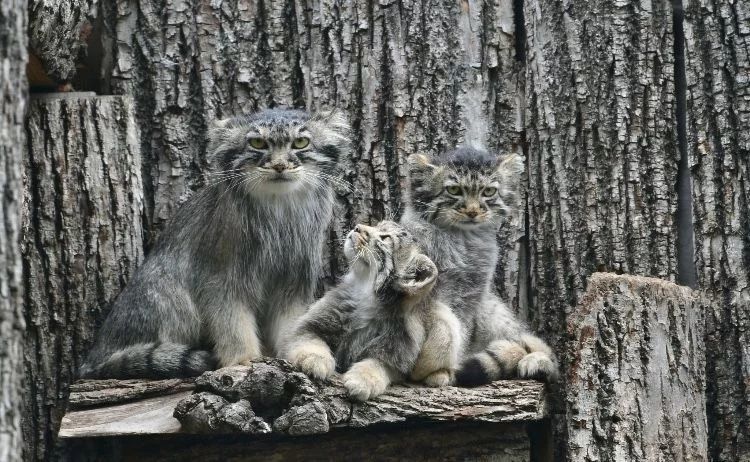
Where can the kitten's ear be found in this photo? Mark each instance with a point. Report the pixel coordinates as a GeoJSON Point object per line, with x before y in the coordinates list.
{"type": "Point", "coordinates": [218, 130]}
{"type": "Point", "coordinates": [419, 275]}
{"type": "Point", "coordinates": [330, 125]}
{"type": "Point", "coordinates": [509, 168]}
{"type": "Point", "coordinates": [422, 163]}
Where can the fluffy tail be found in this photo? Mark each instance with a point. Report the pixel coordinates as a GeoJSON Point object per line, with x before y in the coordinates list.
{"type": "Point", "coordinates": [150, 361]}
{"type": "Point", "coordinates": [527, 358]}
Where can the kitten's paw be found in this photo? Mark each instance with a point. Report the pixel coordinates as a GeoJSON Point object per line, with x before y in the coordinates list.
{"type": "Point", "coordinates": [313, 360]}
{"type": "Point", "coordinates": [364, 381]}
{"type": "Point", "coordinates": [440, 378]}
{"type": "Point", "coordinates": [538, 366]}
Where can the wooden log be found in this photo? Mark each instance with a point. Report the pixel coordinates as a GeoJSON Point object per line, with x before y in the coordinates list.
{"type": "Point", "coordinates": [81, 240]}
{"type": "Point", "coordinates": [636, 381]}
{"type": "Point", "coordinates": [13, 104]}
{"type": "Point", "coordinates": [89, 393]}
{"type": "Point", "coordinates": [717, 64]}
{"type": "Point", "coordinates": [269, 396]}
{"type": "Point", "coordinates": [428, 442]}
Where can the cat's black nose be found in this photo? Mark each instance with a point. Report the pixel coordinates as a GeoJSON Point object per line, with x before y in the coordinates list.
{"type": "Point", "coordinates": [472, 213]}
{"type": "Point", "coordinates": [279, 167]}
{"type": "Point", "coordinates": [361, 230]}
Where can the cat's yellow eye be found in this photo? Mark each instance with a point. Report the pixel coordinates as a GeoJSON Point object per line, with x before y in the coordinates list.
{"type": "Point", "coordinates": [300, 143]}
{"type": "Point", "coordinates": [453, 190]}
{"type": "Point", "coordinates": [489, 192]}
{"type": "Point", "coordinates": [258, 143]}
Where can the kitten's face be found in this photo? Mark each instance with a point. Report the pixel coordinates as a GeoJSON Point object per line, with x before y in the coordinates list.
{"type": "Point", "coordinates": [465, 189]}
{"type": "Point", "coordinates": [390, 256]}
{"type": "Point", "coordinates": [278, 151]}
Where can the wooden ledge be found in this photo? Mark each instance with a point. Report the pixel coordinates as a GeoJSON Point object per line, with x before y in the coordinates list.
{"type": "Point", "coordinates": [270, 397]}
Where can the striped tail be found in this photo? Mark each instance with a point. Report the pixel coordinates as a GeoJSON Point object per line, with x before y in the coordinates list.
{"type": "Point", "coordinates": [151, 361]}
{"type": "Point", "coordinates": [528, 358]}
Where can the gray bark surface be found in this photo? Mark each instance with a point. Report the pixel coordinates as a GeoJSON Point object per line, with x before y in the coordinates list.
{"type": "Point", "coordinates": [58, 31]}
{"type": "Point", "coordinates": [636, 381]}
{"type": "Point", "coordinates": [717, 55]}
{"type": "Point", "coordinates": [13, 101]}
{"type": "Point", "coordinates": [603, 156]}
{"type": "Point", "coordinates": [413, 76]}
{"type": "Point", "coordinates": [81, 239]}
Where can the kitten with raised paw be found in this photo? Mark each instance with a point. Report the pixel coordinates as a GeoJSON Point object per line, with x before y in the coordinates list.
{"type": "Point", "coordinates": [380, 324]}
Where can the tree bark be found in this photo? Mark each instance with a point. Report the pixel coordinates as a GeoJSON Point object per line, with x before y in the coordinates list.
{"type": "Point", "coordinates": [413, 76]}
{"type": "Point", "coordinates": [58, 31]}
{"type": "Point", "coordinates": [717, 63]}
{"type": "Point", "coordinates": [636, 380]}
{"type": "Point", "coordinates": [82, 238]}
{"type": "Point", "coordinates": [13, 97]}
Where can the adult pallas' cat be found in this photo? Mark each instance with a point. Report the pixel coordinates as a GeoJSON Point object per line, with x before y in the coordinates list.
{"type": "Point", "coordinates": [239, 261]}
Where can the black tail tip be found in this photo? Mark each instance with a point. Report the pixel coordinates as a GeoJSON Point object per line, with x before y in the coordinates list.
{"type": "Point", "coordinates": [472, 374]}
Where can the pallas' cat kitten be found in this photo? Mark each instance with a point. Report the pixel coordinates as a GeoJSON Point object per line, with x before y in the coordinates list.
{"type": "Point", "coordinates": [239, 261]}
{"type": "Point", "coordinates": [380, 324]}
{"type": "Point", "coordinates": [456, 204]}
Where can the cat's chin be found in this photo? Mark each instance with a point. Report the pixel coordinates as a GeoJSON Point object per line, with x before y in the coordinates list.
{"type": "Point", "coordinates": [276, 187]}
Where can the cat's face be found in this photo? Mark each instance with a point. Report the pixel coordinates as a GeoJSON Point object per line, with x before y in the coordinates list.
{"type": "Point", "coordinates": [278, 151]}
{"type": "Point", "coordinates": [464, 189]}
{"type": "Point", "coordinates": [391, 257]}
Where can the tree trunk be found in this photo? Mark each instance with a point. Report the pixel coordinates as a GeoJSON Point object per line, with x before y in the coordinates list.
{"type": "Point", "coordinates": [58, 31]}
{"type": "Point", "coordinates": [82, 238]}
{"type": "Point", "coordinates": [636, 379]}
{"type": "Point", "coordinates": [413, 76]}
{"type": "Point", "coordinates": [13, 96]}
{"type": "Point", "coordinates": [717, 55]}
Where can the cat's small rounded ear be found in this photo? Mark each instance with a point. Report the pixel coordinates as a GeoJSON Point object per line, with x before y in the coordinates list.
{"type": "Point", "coordinates": [421, 162]}
{"type": "Point", "coordinates": [510, 164]}
{"type": "Point", "coordinates": [332, 123]}
{"type": "Point", "coordinates": [422, 274]}
{"type": "Point", "coordinates": [218, 130]}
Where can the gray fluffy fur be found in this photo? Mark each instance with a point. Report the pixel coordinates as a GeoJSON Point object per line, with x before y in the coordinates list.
{"type": "Point", "coordinates": [217, 288]}
{"type": "Point", "coordinates": [380, 323]}
{"type": "Point", "coordinates": [456, 204]}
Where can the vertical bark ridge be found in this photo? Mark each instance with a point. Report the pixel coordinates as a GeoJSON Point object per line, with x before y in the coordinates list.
{"type": "Point", "coordinates": [717, 55]}
{"type": "Point", "coordinates": [82, 238]}
{"type": "Point", "coordinates": [13, 103]}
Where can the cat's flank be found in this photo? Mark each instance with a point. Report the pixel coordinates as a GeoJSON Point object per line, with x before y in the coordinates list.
{"type": "Point", "coordinates": [217, 290]}
{"type": "Point", "coordinates": [456, 204]}
{"type": "Point", "coordinates": [380, 324]}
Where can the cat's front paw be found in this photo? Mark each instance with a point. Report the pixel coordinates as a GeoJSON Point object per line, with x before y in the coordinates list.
{"type": "Point", "coordinates": [314, 360]}
{"type": "Point", "coordinates": [440, 378]}
{"type": "Point", "coordinates": [364, 381]}
{"type": "Point", "coordinates": [538, 366]}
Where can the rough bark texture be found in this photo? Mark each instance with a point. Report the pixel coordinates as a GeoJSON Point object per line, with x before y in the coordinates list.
{"type": "Point", "coordinates": [636, 380]}
{"type": "Point", "coordinates": [603, 155]}
{"type": "Point", "coordinates": [413, 76]}
{"type": "Point", "coordinates": [717, 63]}
{"type": "Point", "coordinates": [270, 396]}
{"type": "Point", "coordinates": [58, 31]}
{"type": "Point", "coordinates": [82, 238]}
{"type": "Point", "coordinates": [13, 96]}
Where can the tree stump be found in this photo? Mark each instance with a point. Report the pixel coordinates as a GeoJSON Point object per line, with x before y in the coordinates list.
{"type": "Point", "coordinates": [81, 240]}
{"type": "Point", "coordinates": [636, 381]}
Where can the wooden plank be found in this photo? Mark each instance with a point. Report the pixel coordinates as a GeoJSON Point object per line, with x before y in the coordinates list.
{"type": "Point", "coordinates": [150, 416]}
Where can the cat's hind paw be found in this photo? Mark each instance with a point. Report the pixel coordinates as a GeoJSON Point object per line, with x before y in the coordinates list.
{"type": "Point", "coordinates": [314, 360]}
{"type": "Point", "coordinates": [440, 378]}
{"type": "Point", "coordinates": [538, 366]}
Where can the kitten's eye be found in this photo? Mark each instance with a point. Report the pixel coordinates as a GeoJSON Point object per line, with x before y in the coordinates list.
{"type": "Point", "coordinates": [300, 143]}
{"type": "Point", "coordinates": [489, 192]}
{"type": "Point", "coordinates": [258, 143]}
{"type": "Point", "coordinates": [453, 190]}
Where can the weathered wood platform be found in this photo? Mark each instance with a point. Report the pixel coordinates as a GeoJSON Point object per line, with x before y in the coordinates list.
{"type": "Point", "coordinates": [253, 412]}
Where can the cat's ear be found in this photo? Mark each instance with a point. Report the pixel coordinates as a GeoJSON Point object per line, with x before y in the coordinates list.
{"type": "Point", "coordinates": [331, 126]}
{"type": "Point", "coordinates": [422, 164]}
{"type": "Point", "coordinates": [418, 276]}
{"type": "Point", "coordinates": [509, 168]}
